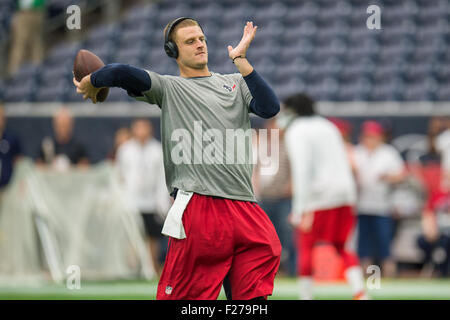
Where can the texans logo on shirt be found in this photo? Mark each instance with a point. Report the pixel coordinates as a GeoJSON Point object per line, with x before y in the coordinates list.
{"type": "Point", "coordinates": [230, 89]}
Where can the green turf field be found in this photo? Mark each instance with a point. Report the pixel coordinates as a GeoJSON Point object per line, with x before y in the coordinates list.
{"type": "Point", "coordinates": [285, 288]}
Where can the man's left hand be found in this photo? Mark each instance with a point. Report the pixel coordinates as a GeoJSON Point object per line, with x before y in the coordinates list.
{"type": "Point", "coordinates": [247, 38]}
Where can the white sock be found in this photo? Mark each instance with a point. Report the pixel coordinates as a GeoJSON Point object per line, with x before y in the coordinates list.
{"type": "Point", "coordinates": [305, 285]}
{"type": "Point", "coordinates": [355, 279]}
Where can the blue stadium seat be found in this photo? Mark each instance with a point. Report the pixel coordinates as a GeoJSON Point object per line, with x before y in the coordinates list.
{"type": "Point", "coordinates": [63, 52]}
{"type": "Point", "coordinates": [357, 69]}
{"type": "Point", "coordinates": [140, 13]}
{"type": "Point", "coordinates": [336, 29]}
{"type": "Point", "coordinates": [167, 14]}
{"type": "Point", "coordinates": [323, 69]}
{"type": "Point", "coordinates": [230, 36]}
{"type": "Point", "coordinates": [103, 33]}
{"type": "Point", "coordinates": [442, 71]}
{"type": "Point", "coordinates": [56, 91]}
{"type": "Point", "coordinates": [359, 48]}
{"type": "Point", "coordinates": [325, 89]}
{"type": "Point", "coordinates": [388, 71]}
{"type": "Point", "coordinates": [137, 30]}
{"type": "Point", "coordinates": [304, 30]}
{"type": "Point", "coordinates": [356, 90]}
{"type": "Point", "coordinates": [387, 90]}
{"type": "Point", "coordinates": [272, 11]}
{"type": "Point", "coordinates": [334, 48]}
{"type": "Point", "coordinates": [443, 92]}
{"type": "Point", "coordinates": [303, 47]}
{"type": "Point", "coordinates": [129, 55]}
{"type": "Point", "coordinates": [294, 85]}
{"type": "Point", "coordinates": [117, 94]}
{"type": "Point", "coordinates": [236, 14]}
{"type": "Point", "coordinates": [322, 46]}
{"type": "Point", "coordinates": [284, 73]}
{"type": "Point", "coordinates": [417, 72]}
{"type": "Point", "coordinates": [208, 13]}
{"type": "Point", "coordinates": [104, 50]}
{"type": "Point", "coordinates": [52, 73]}
{"type": "Point", "coordinates": [266, 68]}
{"type": "Point", "coordinates": [20, 90]}
{"type": "Point", "coordinates": [266, 50]}
{"type": "Point", "coordinates": [72, 96]}
{"type": "Point", "coordinates": [200, 3]}
{"type": "Point", "coordinates": [420, 90]}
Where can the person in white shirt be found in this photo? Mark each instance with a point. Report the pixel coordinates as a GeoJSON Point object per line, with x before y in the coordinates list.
{"type": "Point", "coordinates": [379, 166]}
{"type": "Point", "coordinates": [443, 146]}
{"type": "Point", "coordinates": [140, 165]}
{"type": "Point", "coordinates": [324, 191]}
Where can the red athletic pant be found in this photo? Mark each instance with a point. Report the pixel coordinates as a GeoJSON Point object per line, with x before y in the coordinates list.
{"type": "Point", "coordinates": [332, 226]}
{"type": "Point", "coordinates": [223, 238]}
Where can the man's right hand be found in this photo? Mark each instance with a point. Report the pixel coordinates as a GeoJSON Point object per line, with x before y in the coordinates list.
{"type": "Point", "coordinates": [86, 88]}
{"type": "Point", "coordinates": [307, 221]}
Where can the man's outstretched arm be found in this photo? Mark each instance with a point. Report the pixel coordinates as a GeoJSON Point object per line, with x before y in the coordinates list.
{"type": "Point", "coordinates": [132, 79]}
{"type": "Point", "coordinates": [265, 102]}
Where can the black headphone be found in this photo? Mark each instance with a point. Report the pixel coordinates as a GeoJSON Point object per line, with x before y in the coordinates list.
{"type": "Point", "coordinates": [170, 47]}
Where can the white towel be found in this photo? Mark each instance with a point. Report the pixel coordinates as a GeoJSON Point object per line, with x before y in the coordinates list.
{"type": "Point", "coordinates": [173, 226]}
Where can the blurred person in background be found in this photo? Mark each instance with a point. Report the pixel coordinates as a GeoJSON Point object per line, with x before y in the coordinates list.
{"type": "Point", "coordinates": [10, 150]}
{"type": "Point", "coordinates": [443, 145]}
{"type": "Point", "coordinates": [345, 128]}
{"type": "Point", "coordinates": [428, 167]}
{"type": "Point", "coordinates": [62, 149]}
{"type": "Point", "coordinates": [379, 167]}
{"type": "Point", "coordinates": [274, 192]}
{"type": "Point", "coordinates": [121, 136]}
{"type": "Point", "coordinates": [435, 239]}
{"type": "Point", "coordinates": [141, 167]}
{"type": "Point", "coordinates": [27, 34]}
{"type": "Point", "coordinates": [324, 192]}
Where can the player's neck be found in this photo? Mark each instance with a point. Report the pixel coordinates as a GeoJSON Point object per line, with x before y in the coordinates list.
{"type": "Point", "coordinates": [186, 72]}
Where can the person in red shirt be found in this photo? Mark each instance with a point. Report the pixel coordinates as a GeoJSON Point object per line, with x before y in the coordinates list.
{"type": "Point", "coordinates": [435, 239]}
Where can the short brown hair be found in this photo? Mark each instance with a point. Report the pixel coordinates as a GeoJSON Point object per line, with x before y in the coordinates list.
{"type": "Point", "coordinates": [184, 23]}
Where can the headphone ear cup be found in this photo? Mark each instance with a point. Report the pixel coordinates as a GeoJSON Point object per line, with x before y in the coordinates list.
{"type": "Point", "coordinates": [171, 49]}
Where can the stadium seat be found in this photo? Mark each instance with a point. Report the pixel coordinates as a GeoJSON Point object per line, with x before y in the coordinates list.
{"type": "Point", "coordinates": [356, 90]}
{"type": "Point", "coordinates": [270, 12]}
{"type": "Point", "coordinates": [357, 69]}
{"type": "Point", "coordinates": [420, 90]}
{"type": "Point", "coordinates": [117, 94]}
{"type": "Point", "coordinates": [167, 14]}
{"type": "Point", "coordinates": [325, 42]}
{"type": "Point", "coordinates": [443, 92]}
{"type": "Point", "coordinates": [292, 86]}
{"type": "Point", "coordinates": [324, 69]}
{"type": "Point", "coordinates": [53, 73]}
{"type": "Point", "coordinates": [325, 89]}
{"type": "Point", "coordinates": [52, 92]}
{"type": "Point", "coordinates": [236, 14]}
{"type": "Point", "coordinates": [20, 90]}
{"type": "Point", "coordinates": [141, 13]}
{"type": "Point", "coordinates": [103, 33]}
{"type": "Point", "coordinates": [63, 52]}
{"type": "Point", "coordinates": [387, 90]}
{"type": "Point", "coordinates": [208, 13]}
{"type": "Point", "coordinates": [442, 71]}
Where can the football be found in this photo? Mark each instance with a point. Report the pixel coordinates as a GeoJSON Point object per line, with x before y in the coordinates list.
{"type": "Point", "coordinates": [85, 63]}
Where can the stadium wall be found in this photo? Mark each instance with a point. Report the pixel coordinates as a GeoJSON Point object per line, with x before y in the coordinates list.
{"type": "Point", "coordinates": [96, 124]}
